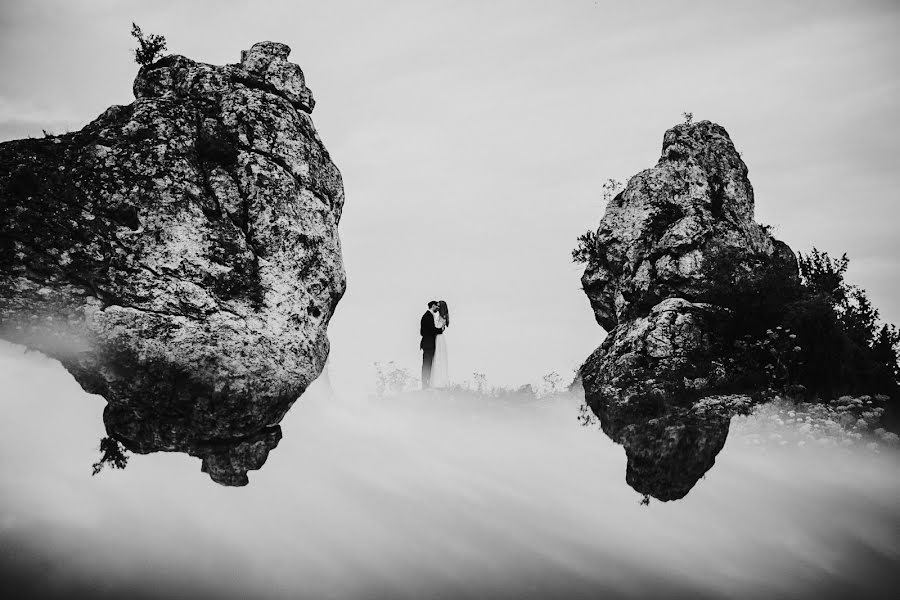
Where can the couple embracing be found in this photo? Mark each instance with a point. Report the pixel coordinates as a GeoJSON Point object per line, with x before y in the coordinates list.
{"type": "Point", "coordinates": [434, 345]}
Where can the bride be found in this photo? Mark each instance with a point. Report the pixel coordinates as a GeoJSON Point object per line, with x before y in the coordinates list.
{"type": "Point", "coordinates": [440, 375]}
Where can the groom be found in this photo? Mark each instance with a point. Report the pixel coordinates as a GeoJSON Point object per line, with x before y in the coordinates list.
{"type": "Point", "coordinates": [428, 332]}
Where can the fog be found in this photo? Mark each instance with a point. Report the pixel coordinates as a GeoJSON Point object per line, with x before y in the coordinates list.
{"type": "Point", "coordinates": [431, 494]}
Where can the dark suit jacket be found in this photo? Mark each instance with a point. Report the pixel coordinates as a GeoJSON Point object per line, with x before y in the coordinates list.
{"type": "Point", "coordinates": [428, 331]}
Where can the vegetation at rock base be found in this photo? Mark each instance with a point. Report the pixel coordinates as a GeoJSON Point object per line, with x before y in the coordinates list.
{"type": "Point", "coordinates": [827, 343]}
{"type": "Point", "coordinates": [769, 362]}
{"type": "Point", "coordinates": [393, 380]}
{"type": "Point", "coordinates": [150, 47]}
{"type": "Point", "coordinates": [848, 350]}
{"type": "Point", "coordinates": [824, 275]}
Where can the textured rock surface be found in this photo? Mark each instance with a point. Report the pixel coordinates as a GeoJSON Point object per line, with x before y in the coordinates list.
{"type": "Point", "coordinates": [669, 450]}
{"type": "Point", "coordinates": [685, 229]}
{"type": "Point", "coordinates": [668, 455]}
{"type": "Point", "coordinates": [655, 361]}
{"type": "Point", "coordinates": [180, 255]}
{"type": "Point", "coordinates": [679, 269]}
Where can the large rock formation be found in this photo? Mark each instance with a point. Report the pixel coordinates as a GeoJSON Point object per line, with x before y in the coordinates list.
{"type": "Point", "coordinates": [180, 255]}
{"type": "Point", "coordinates": [667, 455]}
{"type": "Point", "coordinates": [678, 269]}
{"type": "Point", "coordinates": [685, 229]}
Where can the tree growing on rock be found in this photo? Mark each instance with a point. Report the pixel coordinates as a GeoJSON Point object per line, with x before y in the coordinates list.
{"type": "Point", "coordinates": [150, 47]}
{"type": "Point", "coordinates": [611, 187]}
{"type": "Point", "coordinates": [585, 246]}
{"type": "Point", "coordinates": [584, 249]}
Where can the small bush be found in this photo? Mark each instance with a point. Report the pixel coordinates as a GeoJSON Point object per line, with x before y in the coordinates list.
{"type": "Point", "coordinates": [885, 348]}
{"type": "Point", "coordinates": [823, 275]}
{"type": "Point", "coordinates": [824, 342]}
{"type": "Point", "coordinates": [586, 416]}
{"type": "Point", "coordinates": [586, 248]}
{"type": "Point", "coordinates": [150, 48]}
{"type": "Point", "coordinates": [611, 188]}
{"type": "Point", "coordinates": [554, 383]}
{"type": "Point", "coordinates": [845, 349]}
{"type": "Point", "coordinates": [770, 362]}
{"type": "Point", "coordinates": [113, 454]}
{"type": "Point", "coordinates": [391, 380]}
{"type": "Point", "coordinates": [479, 382]}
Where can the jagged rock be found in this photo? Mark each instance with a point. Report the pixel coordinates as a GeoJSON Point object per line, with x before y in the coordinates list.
{"type": "Point", "coordinates": [226, 460]}
{"type": "Point", "coordinates": [669, 450]}
{"type": "Point", "coordinates": [668, 455]}
{"type": "Point", "coordinates": [685, 229]}
{"type": "Point", "coordinates": [677, 266]}
{"type": "Point", "coordinates": [677, 271]}
{"type": "Point", "coordinates": [648, 363]}
{"type": "Point", "coordinates": [180, 255]}
{"type": "Point", "coordinates": [228, 463]}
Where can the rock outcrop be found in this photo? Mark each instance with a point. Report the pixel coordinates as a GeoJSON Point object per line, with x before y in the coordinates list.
{"type": "Point", "coordinates": [668, 452]}
{"type": "Point", "coordinates": [685, 229]}
{"type": "Point", "coordinates": [677, 270]}
{"type": "Point", "coordinates": [180, 255]}
{"type": "Point", "coordinates": [667, 455]}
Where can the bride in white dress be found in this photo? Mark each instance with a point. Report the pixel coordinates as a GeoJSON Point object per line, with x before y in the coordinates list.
{"type": "Point", "coordinates": [440, 374]}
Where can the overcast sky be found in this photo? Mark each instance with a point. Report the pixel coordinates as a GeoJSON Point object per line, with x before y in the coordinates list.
{"type": "Point", "coordinates": [474, 137]}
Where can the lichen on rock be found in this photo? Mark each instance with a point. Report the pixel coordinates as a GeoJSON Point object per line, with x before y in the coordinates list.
{"type": "Point", "coordinates": [180, 255]}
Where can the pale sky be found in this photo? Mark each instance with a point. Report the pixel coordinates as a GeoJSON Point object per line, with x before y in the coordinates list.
{"type": "Point", "coordinates": [474, 137]}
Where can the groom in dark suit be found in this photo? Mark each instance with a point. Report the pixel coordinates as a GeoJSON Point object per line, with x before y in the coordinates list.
{"type": "Point", "coordinates": [429, 332]}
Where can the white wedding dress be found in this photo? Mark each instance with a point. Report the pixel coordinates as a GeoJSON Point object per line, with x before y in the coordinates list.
{"type": "Point", "coordinates": [440, 375]}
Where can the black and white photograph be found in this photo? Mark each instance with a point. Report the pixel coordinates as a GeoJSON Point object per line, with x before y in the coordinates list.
{"type": "Point", "coordinates": [461, 299]}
